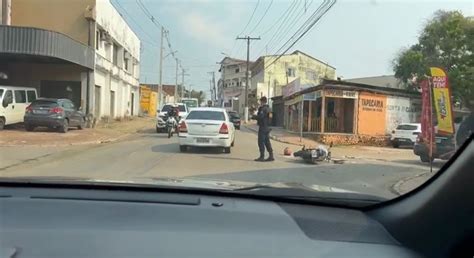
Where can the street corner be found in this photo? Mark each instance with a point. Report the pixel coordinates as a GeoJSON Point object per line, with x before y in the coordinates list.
{"type": "Point", "coordinates": [407, 184]}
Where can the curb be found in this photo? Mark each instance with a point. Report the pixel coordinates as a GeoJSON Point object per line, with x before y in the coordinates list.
{"type": "Point", "coordinates": [101, 141]}
{"type": "Point", "coordinates": [396, 187]}
{"type": "Point", "coordinates": [275, 138]}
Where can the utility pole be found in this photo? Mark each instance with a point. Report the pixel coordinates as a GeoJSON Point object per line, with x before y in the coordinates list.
{"type": "Point", "coordinates": [176, 83]}
{"type": "Point", "coordinates": [212, 84]}
{"type": "Point", "coordinates": [182, 82]}
{"type": "Point", "coordinates": [246, 111]}
{"type": "Point", "coordinates": [160, 88]}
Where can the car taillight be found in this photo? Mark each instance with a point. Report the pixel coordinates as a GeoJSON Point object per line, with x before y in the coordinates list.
{"type": "Point", "coordinates": [29, 109]}
{"type": "Point", "coordinates": [56, 110]}
{"type": "Point", "coordinates": [183, 128]}
{"type": "Point", "coordinates": [224, 129]}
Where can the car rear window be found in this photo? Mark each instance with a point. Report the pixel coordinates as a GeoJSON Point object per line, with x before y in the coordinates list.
{"type": "Point", "coordinates": [234, 115]}
{"type": "Point", "coordinates": [206, 115]}
{"type": "Point", "coordinates": [182, 108]}
{"type": "Point", "coordinates": [407, 127]}
{"type": "Point", "coordinates": [44, 103]}
{"type": "Point", "coordinates": [166, 108]}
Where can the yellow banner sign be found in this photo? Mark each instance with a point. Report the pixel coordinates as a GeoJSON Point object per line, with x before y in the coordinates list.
{"type": "Point", "coordinates": [442, 100]}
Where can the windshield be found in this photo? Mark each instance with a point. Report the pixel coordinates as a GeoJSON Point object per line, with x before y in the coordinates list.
{"type": "Point", "coordinates": [363, 97]}
{"type": "Point", "coordinates": [206, 115]}
{"type": "Point", "coordinates": [1, 93]}
{"type": "Point", "coordinates": [182, 108]}
{"type": "Point", "coordinates": [407, 127]}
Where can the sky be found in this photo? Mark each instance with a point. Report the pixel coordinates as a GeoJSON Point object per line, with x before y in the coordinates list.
{"type": "Point", "coordinates": [358, 37]}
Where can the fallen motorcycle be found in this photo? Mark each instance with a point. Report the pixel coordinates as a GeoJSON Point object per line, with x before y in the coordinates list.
{"type": "Point", "coordinates": [313, 156]}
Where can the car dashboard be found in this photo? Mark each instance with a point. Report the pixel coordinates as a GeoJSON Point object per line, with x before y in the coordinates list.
{"type": "Point", "coordinates": [50, 222]}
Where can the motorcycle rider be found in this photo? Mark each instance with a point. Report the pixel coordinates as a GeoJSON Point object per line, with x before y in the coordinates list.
{"type": "Point", "coordinates": [173, 113]}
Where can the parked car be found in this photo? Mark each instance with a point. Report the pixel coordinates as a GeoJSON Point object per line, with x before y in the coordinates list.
{"type": "Point", "coordinates": [206, 127]}
{"type": "Point", "coordinates": [14, 101]}
{"type": "Point", "coordinates": [162, 115]}
{"type": "Point", "coordinates": [235, 119]}
{"type": "Point", "coordinates": [405, 134]}
{"type": "Point", "coordinates": [53, 113]}
{"type": "Point", "coordinates": [443, 149]}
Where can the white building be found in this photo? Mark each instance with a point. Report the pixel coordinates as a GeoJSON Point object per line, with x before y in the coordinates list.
{"type": "Point", "coordinates": [231, 85]}
{"type": "Point", "coordinates": [117, 59]}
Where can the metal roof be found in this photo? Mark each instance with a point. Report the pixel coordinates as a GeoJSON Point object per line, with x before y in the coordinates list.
{"type": "Point", "coordinates": [30, 41]}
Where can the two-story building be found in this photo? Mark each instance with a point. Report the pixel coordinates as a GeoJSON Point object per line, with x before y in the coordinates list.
{"type": "Point", "coordinates": [269, 76]}
{"type": "Point", "coordinates": [82, 50]}
{"type": "Point", "coordinates": [231, 85]}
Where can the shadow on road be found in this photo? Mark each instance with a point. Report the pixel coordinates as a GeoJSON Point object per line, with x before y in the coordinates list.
{"type": "Point", "coordinates": [226, 158]}
{"type": "Point", "coordinates": [166, 148]}
{"type": "Point", "coordinates": [148, 131]}
{"type": "Point", "coordinates": [436, 163]}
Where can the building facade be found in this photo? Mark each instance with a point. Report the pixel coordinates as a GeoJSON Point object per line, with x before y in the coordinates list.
{"type": "Point", "coordinates": [231, 85]}
{"type": "Point", "coordinates": [343, 112]}
{"type": "Point", "coordinates": [269, 76]}
{"type": "Point", "coordinates": [82, 50]}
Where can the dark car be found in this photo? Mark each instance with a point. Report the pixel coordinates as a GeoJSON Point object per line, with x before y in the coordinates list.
{"type": "Point", "coordinates": [443, 149]}
{"type": "Point", "coordinates": [53, 113]}
{"type": "Point", "coordinates": [235, 119]}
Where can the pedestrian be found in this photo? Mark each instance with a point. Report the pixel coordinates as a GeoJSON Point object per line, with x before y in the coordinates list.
{"type": "Point", "coordinates": [263, 122]}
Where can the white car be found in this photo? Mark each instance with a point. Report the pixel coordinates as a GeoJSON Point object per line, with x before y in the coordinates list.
{"type": "Point", "coordinates": [160, 116]}
{"type": "Point", "coordinates": [206, 127]}
{"type": "Point", "coordinates": [14, 100]}
{"type": "Point", "coordinates": [405, 134]}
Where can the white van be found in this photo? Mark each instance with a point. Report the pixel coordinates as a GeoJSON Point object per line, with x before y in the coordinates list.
{"type": "Point", "coordinates": [14, 101]}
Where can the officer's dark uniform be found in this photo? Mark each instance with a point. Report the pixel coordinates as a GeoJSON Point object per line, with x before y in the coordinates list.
{"type": "Point", "coordinates": [263, 121]}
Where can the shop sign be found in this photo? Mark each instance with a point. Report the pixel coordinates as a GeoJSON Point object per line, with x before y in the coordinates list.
{"type": "Point", "coordinates": [341, 94]}
{"type": "Point", "coordinates": [291, 87]}
{"type": "Point", "coordinates": [312, 95]}
{"type": "Point", "coordinates": [372, 104]}
{"type": "Point", "coordinates": [294, 101]}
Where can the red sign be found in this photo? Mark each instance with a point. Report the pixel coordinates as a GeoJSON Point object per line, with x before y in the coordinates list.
{"type": "Point", "coordinates": [426, 112]}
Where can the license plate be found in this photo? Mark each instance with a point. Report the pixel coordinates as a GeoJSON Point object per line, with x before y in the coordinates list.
{"type": "Point", "coordinates": [402, 140]}
{"type": "Point", "coordinates": [203, 140]}
{"type": "Point", "coordinates": [40, 111]}
{"type": "Point", "coordinates": [438, 140]}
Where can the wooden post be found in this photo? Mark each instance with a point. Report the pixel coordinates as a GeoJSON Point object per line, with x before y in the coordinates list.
{"type": "Point", "coordinates": [323, 112]}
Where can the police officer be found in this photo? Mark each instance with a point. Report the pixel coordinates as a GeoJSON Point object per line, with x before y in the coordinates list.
{"type": "Point", "coordinates": [263, 122]}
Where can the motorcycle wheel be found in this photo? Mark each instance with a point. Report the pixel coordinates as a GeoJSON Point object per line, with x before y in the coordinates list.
{"type": "Point", "coordinates": [169, 132]}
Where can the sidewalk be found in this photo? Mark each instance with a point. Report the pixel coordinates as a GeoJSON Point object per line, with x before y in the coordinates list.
{"type": "Point", "coordinates": [17, 136]}
{"type": "Point", "coordinates": [406, 185]}
{"type": "Point", "coordinates": [341, 152]}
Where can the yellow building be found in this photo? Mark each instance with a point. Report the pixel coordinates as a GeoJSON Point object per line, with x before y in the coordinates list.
{"type": "Point", "coordinates": [268, 77]}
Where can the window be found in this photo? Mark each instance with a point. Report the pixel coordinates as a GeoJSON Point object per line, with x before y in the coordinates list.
{"type": "Point", "coordinates": [126, 60]}
{"type": "Point", "coordinates": [290, 72]}
{"type": "Point", "coordinates": [407, 127]}
{"type": "Point", "coordinates": [8, 98]}
{"type": "Point", "coordinates": [206, 115]}
{"type": "Point", "coordinates": [31, 95]}
{"type": "Point", "coordinates": [237, 70]}
{"type": "Point", "coordinates": [311, 75]}
{"type": "Point", "coordinates": [97, 39]}
{"type": "Point", "coordinates": [20, 96]}
{"type": "Point", "coordinates": [115, 54]}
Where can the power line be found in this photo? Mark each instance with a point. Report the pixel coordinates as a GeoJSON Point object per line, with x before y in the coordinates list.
{"type": "Point", "coordinates": [278, 20]}
{"type": "Point", "coordinates": [242, 32]}
{"type": "Point", "coordinates": [263, 16]}
{"type": "Point", "coordinates": [282, 23]}
{"type": "Point", "coordinates": [291, 25]}
{"type": "Point", "coordinates": [135, 22]}
{"type": "Point", "coordinates": [328, 6]}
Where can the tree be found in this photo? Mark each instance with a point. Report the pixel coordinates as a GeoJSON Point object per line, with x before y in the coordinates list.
{"type": "Point", "coordinates": [447, 41]}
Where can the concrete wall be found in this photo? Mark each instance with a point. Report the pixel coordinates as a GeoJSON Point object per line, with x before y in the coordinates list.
{"type": "Point", "coordinates": [5, 12]}
{"type": "Point", "coordinates": [65, 16]}
{"type": "Point", "coordinates": [371, 114]}
{"type": "Point", "coordinates": [401, 110]}
{"type": "Point", "coordinates": [309, 70]}
{"type": "Point", "coordinates": [116, 36]}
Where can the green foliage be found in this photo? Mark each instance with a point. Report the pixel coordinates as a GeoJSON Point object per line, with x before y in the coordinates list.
{"type": "Point", "coordinates": [447, 41]}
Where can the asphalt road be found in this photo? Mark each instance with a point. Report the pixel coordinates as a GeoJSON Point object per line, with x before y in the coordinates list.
{"type": "Point", "coordinates": [149, 155]}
